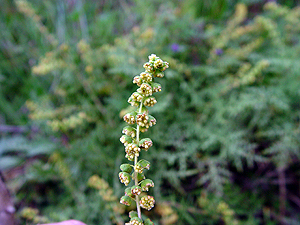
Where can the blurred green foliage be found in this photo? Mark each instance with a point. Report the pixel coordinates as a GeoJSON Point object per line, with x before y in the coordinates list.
{"type": "Point", "coordinates": [227, 138]}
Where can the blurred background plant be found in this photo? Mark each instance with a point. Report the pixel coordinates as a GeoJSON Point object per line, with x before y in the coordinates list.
{"type": "Point", "coordinates": [227, 141]}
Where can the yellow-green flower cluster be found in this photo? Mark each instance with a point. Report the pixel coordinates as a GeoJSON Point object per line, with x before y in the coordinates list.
{"type": "Point", "coordinates": [147, 202]}
{"type": "Point", "coordinates": [132, 150]}
{"type": "Point", "coordinates": [142, 120]}
{"type": "Point", "coordinates": [106, 192]}
{"type": "Point", "coordinates": [31, 214]}
{"type": "Point", "coordinates": [26, 8]}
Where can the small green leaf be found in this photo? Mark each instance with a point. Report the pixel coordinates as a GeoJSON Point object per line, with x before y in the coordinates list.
{"type": "Point", "coordinates": [126, 168]}
{"type": "Point", "coordinates": [126, 200]}
{"type": "Point", "coordinates": [148, 222]}
{"type": "Point", "coordinates": [133, 214]}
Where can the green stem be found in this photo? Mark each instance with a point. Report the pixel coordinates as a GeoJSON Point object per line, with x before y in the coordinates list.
{"type": "Point", "coordinates": [136, 182]}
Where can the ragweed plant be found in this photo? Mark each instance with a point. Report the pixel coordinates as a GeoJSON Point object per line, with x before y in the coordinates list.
{"type": "Point", "coordinates": [140, 120]}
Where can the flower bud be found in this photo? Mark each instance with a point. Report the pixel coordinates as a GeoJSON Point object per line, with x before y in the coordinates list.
{"type": "Point", "coordinates": [136, 190]}
{"type": "Point", "coordinates": [156, 87]}
{"type": "Point", "coordinates": [151, 120]}
{"type": "Point", "coordinates": [135, 98]}
{"type": "Point", "coordinates": [146, 77]}
{"type": "Point", "coordinates": [145, 143]}
{"type": "Point", "coordinates": [137, 80]}
{"type": "Point", "coordinates": [138, 168]}
{"type": "Point", "coordinates": [125, 178]}
{"type": "Point", "coordinates": [126, 168]}
{"type": "Point", "coordinates": [128, 192]}
{"type": "Point", "coordinates": [165, 66]}
{"type": "Point", "coordinates": [143, 129]}
{"type": "Point", "coordinates": [159, 74]}
{"type": "Point", "coordinates": [129, 131]}
{"type": "Point", "coordinates": [145, 184]}
{"type": "Point", "coordinates": [144, 163]}
{"type": "Point", "coordinates": [133, 103]}
{"type": "Point", "coordinates": [136, 221]}
{"type": "Point", "coordinates": [158, 63]}
{"type": "Point", "coordinates": [126, 200]}
{"type": "Point", "coordinates": [126, 140]}
{"type": "Point", "coordinates": [130, 118]}
{"type": "Point", "coordinates": [148, 67]}
{"type": "Point", "coordinates": [147, 202]}
{"type": "Point", "coordinates": [152, 57]}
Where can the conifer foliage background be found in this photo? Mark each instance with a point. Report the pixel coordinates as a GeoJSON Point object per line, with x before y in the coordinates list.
{"type": "Point", "coordinates": [227, 138]}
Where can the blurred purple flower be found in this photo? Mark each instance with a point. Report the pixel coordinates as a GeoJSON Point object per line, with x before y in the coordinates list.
{"type": "Point", "coordinates": [219, 51]}
{"type": "Point", "coordinates": [175, 47]}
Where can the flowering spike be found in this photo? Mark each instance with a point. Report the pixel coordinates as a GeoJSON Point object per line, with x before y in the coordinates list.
{"type": "Point", "coordinates": [141, 98]}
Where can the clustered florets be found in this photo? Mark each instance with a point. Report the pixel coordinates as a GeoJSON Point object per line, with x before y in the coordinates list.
{"type": "Point", "coordinates": [141, 99]}
{"type": "Point", "coordinates": [136, 190]}
{"type": "Point", "coordinates": [146, 77]}
{"type": "Point", "coordinates": [137, 80]}
{"type": "Point", "coordinates": [156, 66]}
{"type": "Point", "coordinates": [145, 184]}
{"type": "Point", "coordinates": [145, 89]}
{"type": "Point", "coordinates": [156, 87]}
{"type": "Point", "coordinates": [126, 140]}
{"type": "Point", "coordinates": [142, 119]}
{"type": "Point", "coordinates": [136, 222]}
{"type": "Point", "coordinates": [138, 168]}
{"type": "Point", "coordinates": [146, 143]}
{"type": "Point", "coordinates": [124, 178]}
{"type": "Point", "coordinates": [150, 101]}
{"type": "Point", "coordinates": [130, 118]}
{"type": "Point", "coordinates": [135, 99]}
{"type": "Point", "coordinates": [129, 131]}
{"type": "Point", "coordinates": [147, 202]}
{"type": "Point", "coordinates": [132, 150]}
{"type": "Point", "coordinates": [126, 200]}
